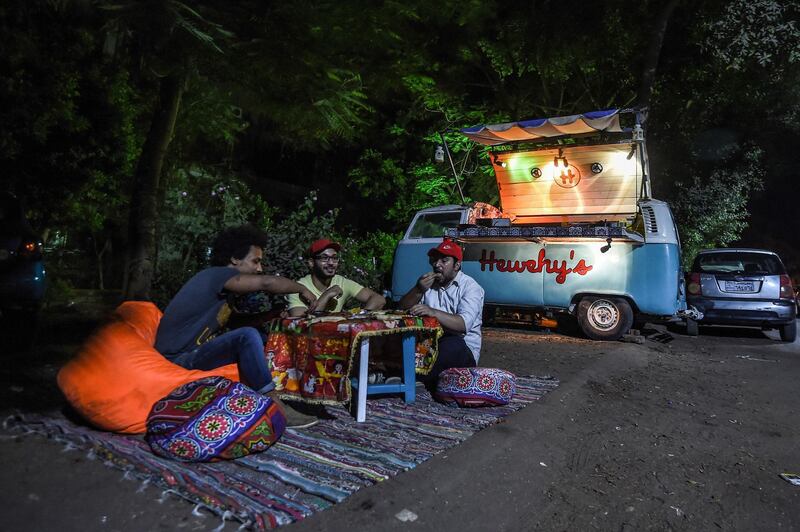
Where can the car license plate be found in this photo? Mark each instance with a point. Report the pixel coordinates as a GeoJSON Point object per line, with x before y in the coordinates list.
{"type": "Point", "coordinates": [740, 286]}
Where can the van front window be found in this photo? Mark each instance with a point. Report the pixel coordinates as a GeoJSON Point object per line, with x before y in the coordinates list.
{"type": "Point", "coordinates": [434, 224]}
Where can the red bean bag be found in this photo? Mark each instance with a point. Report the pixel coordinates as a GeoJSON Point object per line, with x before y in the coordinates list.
{"type": "Point", "coordinates": [117, 376]}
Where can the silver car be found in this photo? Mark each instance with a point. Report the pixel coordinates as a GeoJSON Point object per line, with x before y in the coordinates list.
{"type": "Point", "coordinates": [742, 287]}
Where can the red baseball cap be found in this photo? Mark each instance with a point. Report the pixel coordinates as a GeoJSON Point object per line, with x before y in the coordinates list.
{"type": "Point", "coordinates": [322, 244]}
{"type": "Point", "coordinates": [448, 248]}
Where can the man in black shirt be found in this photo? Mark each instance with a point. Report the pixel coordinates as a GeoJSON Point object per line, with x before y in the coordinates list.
{"type": "Point", "coordinates": [187, 334]}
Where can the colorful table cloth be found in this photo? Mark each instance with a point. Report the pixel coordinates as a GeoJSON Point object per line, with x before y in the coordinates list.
{"type": "Point", "coordinates": [312, 358]}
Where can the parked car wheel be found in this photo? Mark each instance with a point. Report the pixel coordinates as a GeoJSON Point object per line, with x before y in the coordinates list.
{"type": "Point", "coordinates": [604, 318]}
{"type": "Point", "coordinates": [692, 329]}
{"type": "Point", "coordinates": [789, 331]}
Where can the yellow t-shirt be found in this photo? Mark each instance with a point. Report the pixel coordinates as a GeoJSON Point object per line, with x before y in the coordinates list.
{"type": "Point", "coordinates": [349, 290]}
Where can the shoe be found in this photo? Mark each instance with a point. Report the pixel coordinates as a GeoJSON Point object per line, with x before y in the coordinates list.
{"type": "Point", "coordinates": [393, 380]}
{"type": "Point", "coordinates": [376, 378]}
{"type": "Point", "coordinates": [294, 418]}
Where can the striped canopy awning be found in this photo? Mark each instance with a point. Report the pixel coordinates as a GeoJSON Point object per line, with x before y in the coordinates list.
{"type": "Point", "coordinates": [528, 130]}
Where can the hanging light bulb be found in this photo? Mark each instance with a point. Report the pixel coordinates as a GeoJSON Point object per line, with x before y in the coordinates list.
{"type": "Point", "coordinates": [560, 160]}
{"type": "Point", "coordinates": [438, 155]}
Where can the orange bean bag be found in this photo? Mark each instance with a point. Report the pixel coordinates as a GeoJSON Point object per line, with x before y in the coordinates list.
{"type": "Point", "coordinates": [117, 375]}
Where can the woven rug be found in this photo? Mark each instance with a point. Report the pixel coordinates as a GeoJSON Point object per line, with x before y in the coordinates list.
{"type": "Point", "coordinates": [306, 470]}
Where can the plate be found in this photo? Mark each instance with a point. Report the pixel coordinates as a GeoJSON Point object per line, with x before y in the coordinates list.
{"type": "Point", "coordinates": [740, 286]}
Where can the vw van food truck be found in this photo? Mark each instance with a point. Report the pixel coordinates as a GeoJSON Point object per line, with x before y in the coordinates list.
{"type": "Point", "coordinates": [577, 230]}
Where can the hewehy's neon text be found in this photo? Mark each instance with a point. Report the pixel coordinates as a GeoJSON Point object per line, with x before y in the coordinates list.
{"type": "Point", "coordinates": [537, 265]}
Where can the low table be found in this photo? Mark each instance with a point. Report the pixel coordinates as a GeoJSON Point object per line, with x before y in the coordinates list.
{"type": "Point", "coordinates": [312, 358]}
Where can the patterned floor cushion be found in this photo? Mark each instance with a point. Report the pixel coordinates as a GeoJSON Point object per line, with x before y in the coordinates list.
{"type": "Point", "coordinates": [475, 386]}
{"type": "Point", "coordinates": [212, 419]}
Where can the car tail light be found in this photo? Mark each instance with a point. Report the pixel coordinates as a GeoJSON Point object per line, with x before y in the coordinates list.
{"type": "Point", "coordinates": [787, 290]}
{"type": "Point", "coordinates": [693, 284]}
{"type": "Point", "coordinates": [30, 249]}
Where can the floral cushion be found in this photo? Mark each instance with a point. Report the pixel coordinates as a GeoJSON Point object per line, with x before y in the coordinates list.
{"type": "Point", "coordinates": [475, 386]}
{"type": "Point", "coordinates": [212, 419]}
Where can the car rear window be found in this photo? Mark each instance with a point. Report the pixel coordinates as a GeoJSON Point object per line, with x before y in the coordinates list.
{"type": "Point", "coordinates": [738, 262]}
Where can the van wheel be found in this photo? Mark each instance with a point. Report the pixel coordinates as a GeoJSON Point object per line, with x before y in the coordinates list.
{"type": "Point", "coordinates": [692, 329]}
{"type": "Point", "coordinates": [789, 332]}
{"type": "Point", "coordinates": [604, 318]}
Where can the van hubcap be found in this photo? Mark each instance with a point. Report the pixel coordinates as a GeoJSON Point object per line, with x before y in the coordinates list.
{"type": "Point", "coordinates": [603, 314]}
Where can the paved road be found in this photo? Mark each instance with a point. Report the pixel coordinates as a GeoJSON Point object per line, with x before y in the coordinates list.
{"type": "Point", "coordinates": [679, 434]}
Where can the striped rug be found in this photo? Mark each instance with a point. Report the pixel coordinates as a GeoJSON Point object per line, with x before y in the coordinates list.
{"type": "Point", "coordinates": [308, 470]}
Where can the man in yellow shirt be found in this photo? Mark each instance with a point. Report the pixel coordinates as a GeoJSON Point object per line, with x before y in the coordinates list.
{"type": "Point", "coordinates": [332, 290]}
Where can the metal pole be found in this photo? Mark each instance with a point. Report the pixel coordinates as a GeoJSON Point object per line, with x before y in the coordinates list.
{"type": "Point", "coordinates": [453, 167]}
{"type": "Point", "coordinates": [641, 117]}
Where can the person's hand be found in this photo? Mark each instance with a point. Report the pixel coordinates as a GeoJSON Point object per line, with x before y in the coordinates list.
{"type": "Point", "coordinates": [421, 310]}
{"type": "Point", "coordinates": [334, 292]}
{"type": "Point", "coordinates": [427, 280]}
{"type": "Point", "coordinates": [309, 299]}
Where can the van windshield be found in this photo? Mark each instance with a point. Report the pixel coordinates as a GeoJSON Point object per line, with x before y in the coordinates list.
{"type": "Point", "coordinates": [738, 263]}
{"type": "Point", "coordinates": [434, 224]}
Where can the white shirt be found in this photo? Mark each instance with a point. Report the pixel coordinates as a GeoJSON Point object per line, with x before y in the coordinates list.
{"type": "Point", "coordinates": [463, 296]}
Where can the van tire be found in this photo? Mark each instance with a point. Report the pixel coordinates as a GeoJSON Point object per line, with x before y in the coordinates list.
{"type": "Point", "coordinates": [788, 331]}
{"type": "Point", "coordinates": [604, 318]}
{"type": "Point", "coordinates": [692, 328]}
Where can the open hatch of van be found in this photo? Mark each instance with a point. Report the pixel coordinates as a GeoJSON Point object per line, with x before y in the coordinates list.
{"type": "Point", "coordinates": [579, 175]}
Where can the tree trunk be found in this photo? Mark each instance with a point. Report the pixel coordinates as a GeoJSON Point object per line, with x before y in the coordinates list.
{"type": "Point", "coordinates": [653, 53]}
{"type": "Point", "coordinates": [144, 199]}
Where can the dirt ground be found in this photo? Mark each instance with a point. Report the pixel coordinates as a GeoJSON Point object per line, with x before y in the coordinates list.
{"type": "Point", "coordinates": [677, 433]}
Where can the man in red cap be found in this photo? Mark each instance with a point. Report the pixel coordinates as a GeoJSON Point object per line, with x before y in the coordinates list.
{"type": "Point", "coordinates": [332, 290]}
{"type": "Point", "coordinates": [456, 300]}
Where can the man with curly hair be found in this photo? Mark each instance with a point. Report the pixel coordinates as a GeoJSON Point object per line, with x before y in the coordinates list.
{"type": "Point", "coordinates": [188, 332]}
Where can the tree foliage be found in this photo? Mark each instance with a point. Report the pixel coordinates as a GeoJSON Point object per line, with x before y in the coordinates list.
{"type": "Point", "coordinates": [712, 205]}
{"type": "Point", "coordinates": [350, 101]}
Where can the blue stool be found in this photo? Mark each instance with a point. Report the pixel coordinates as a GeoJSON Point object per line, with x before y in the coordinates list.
{"type": "Point", "coordinates": [407, 386]}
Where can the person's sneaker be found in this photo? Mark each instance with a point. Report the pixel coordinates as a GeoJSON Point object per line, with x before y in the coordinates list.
{"type": "Point", "coordinates": [294, 418]}
{"type": "Point", "coordinates": [376, 378]}
{"type": "Point", "coordinates": [393, 380]}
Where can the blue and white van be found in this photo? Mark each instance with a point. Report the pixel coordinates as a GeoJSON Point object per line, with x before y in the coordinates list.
{"type": "Point", "coordinates": [577, 231]}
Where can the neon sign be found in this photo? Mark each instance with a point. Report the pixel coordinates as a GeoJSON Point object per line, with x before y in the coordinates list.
{"type": "Point", "coordinates": [537, 265]}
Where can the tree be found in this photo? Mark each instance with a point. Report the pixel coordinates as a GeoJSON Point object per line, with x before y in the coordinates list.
{"type": "Point", "coordinates": [69, 116]}
{"type": "Point", "coordinates": [712, 206]}
{"type": "Point", "coordinates": [723, 108]}
{"type": "Point", "coordinates": [166, 36]}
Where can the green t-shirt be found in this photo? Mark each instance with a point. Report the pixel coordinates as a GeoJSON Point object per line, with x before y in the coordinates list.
{"type": "Point", "coordinates": [349, 290]}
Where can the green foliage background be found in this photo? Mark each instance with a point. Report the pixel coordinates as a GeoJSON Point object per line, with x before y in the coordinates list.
{"type": "Point", "coordinates": [348, 101]}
